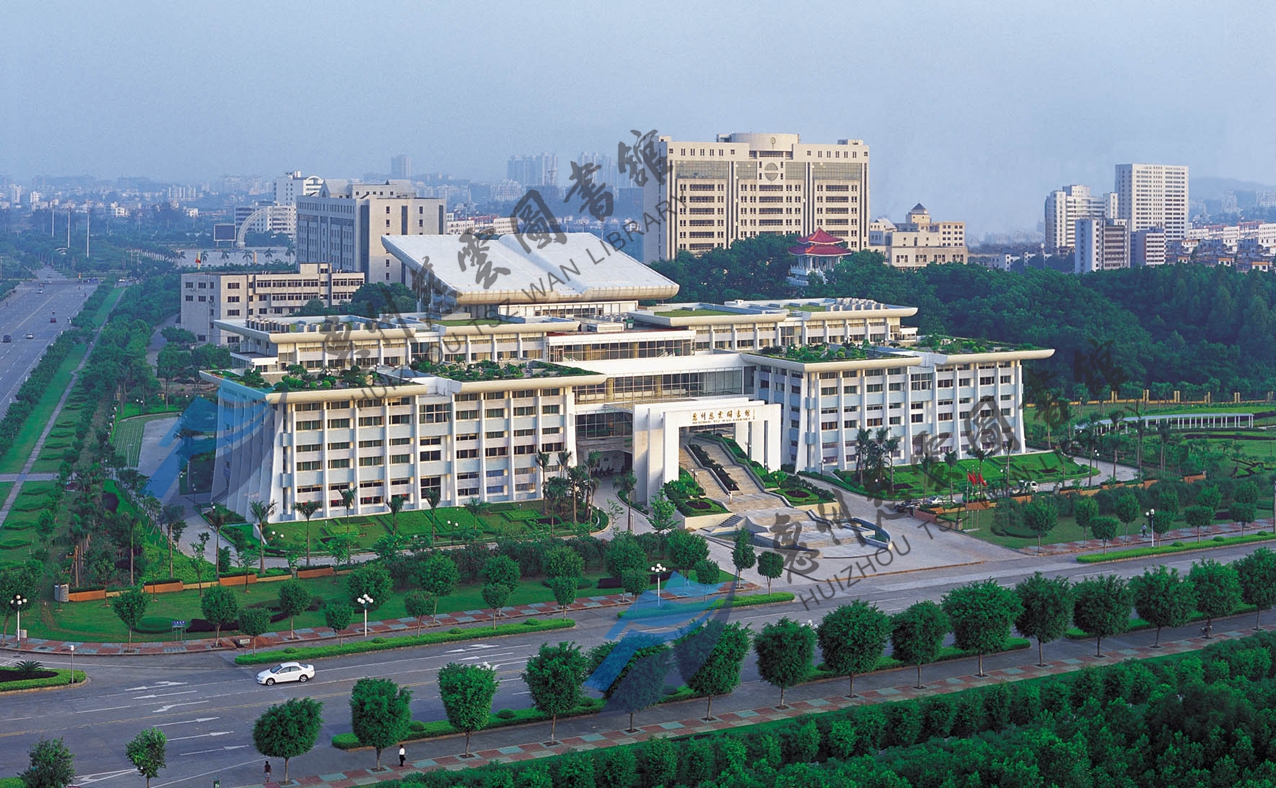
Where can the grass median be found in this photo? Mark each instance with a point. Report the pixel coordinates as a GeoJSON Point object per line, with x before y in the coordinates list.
{"type": "Point", "coordinates": [61, 678]}
{"type": "Point", "coordinates": [1176, 547]}
{"type": "Point", "coordinates": [297, 653]}
{"type": "Point", "coordinates": [775, 598]}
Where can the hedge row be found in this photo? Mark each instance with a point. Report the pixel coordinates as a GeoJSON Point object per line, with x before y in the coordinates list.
{"type": "Point", "coordinates": [1176, 547]}
{"type": "Point", "coordinates": [407, 641]}
{"type": "Point", "coordinates": [501, 719]}
{"type": "Point", "coordinates": [62, 678]}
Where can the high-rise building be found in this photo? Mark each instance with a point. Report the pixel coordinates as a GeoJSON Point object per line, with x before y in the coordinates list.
{"type": "Point", "coordinates": [400, 167]}
{"type": "Point", "coordinates": [711, 194]}
{"type": "Point", "coordinates": [344, 223]}
{"type": "Point", "coordinates": [533, 171]}
{"type": "Point", "coordinates": [1153, 195]}
{"type": "Point", "coordinates": [1147, 247]}
{"type": "Point", "coordinates": [291, 185]}
{"type": "Point", "coordinates": [1063, 208]}
{"type": "Point", "coordinates": [1101, 245]}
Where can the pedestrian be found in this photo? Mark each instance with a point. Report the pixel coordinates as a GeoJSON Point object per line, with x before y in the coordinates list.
{"type": "Point", "coordinates": [403, 756]}
{"type": "Point", "coordinates": [266, 774]}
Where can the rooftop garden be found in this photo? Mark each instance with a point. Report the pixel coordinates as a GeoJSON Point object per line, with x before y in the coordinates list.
{"type": "Point", "coordinates": [490, 370]}
{"type": "Point", "coordinates": [955, 346]}
{"type": "Point", "coordinates": [470, 321]}
{"type": "Point", "coordinates": [301, 379]}
{"type": "Point", "coordinates": [814, 354]}
{"type": "Point", "coordinates": [695, 313]}
{"type": "Point", "coordinates": [806, 307]}
{"type": "Point", "coordinates": [250, 377]}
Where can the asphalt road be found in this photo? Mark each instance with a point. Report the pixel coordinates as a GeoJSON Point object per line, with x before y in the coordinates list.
{"type": "Point", "coordinates": [27, 310]}
{"type": "Point", "coordinates": [206, 704]}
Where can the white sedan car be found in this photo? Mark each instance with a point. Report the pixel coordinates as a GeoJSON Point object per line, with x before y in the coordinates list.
{"type": "Point", "coordinates": [287, 671]}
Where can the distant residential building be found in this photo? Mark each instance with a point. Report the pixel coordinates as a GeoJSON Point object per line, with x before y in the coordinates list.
{"type": "Point", "coordinates": [1153, 195]}
{"type": "Point", "coordinates": [208, 296]}
{"type": "Point", "coordinates": [919, 241]}
{"type": "Point", "coordinates": [343, 225]}
{"type": "Point", "coordinates": [1064, 207]}
{"type": "Point", "coordinates": [1102, 245]}
{"type": "Point", "coordinates": [400, 168]}
{"type": "Point", "coordinates": [997, 262]}
{"type": "Point", "coordinates": [497, 225]}
{"type": "Point", "coordinates": [267, 218]}
{"type": "Point", "coordinates": [712, 194]}
{"type": "Point", "coordinates": [1111, 205]}
{"type": "Point", "coordinates": [291, 185]}
{"type": "Point", "coordinates": [1147, 247]}
{"type": "Point", "coordinates": [533, 171]}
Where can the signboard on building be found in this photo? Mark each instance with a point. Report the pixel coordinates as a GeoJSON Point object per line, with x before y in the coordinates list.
{"type": "Point", "coordinates": [725, 416]}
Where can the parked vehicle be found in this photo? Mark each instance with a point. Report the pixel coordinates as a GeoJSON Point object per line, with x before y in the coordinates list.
{"type": "Point", "coordinates": [7, 339]}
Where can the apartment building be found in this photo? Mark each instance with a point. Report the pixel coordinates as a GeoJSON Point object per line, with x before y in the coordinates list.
{"type": "Point", "coordinates": [744, 185]}
{"type": "Point", "coordinates": [1063, 208]}
{"type": "Point", "coordinates": [343, 224]}
{"type": "Point", "coordinates": [918, 241]}
{"type": "Point", "coordinates": [462, 397]}
{"type": "Point", "coordinates": [1147, 247]}
{"type": "Point", "coordinates": [209, 297]}
{"type": "Point", "coordinates": [1153, 195]}
{"type": "Point", "coordinates": [1102, 245]}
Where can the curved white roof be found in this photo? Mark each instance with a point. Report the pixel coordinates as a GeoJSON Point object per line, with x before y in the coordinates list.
{"type": "Point", "coordinates": [583, 267]}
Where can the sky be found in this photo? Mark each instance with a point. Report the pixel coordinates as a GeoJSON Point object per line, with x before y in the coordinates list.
{"type": "Point", "coordinates": [976, 109]}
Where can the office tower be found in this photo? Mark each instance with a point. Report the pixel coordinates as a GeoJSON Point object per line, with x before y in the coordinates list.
{"type": "Point", "coordinates": [707, 195]}
{"type": "Point", "coordinates": [1153, 195]}
{"type": "Point", "coordinates": [1063, 208]}
{"type": "Point", "coordinates": [1102, 245]}
{"type": "Point", "coordinates": [533, 171]}
{"type": "Point", "coordinates": [400, 168]}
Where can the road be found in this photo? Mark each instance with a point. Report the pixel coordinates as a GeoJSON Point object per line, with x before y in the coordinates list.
{"type": "Point", "coordinates": [207, 705]}
{"type": "Point", "coordinates": [27, 310]}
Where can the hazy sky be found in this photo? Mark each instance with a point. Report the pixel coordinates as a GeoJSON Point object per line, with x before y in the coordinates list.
{"type": "Point", "coordinates": [976, 109]}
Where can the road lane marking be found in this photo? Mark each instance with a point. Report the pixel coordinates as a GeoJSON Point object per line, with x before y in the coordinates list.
{"type": "Point", "coordinates": [201, 735]}
{"type": "Point", "coordinates": [187, 722]}
{"type": "Point", "coordinates": [100, 776]}
{"type": "Point", "coordinates": [165, 695]}
{"type": "Point", "coordinates": [94, 711]}
{"type": "Point", "coordinates": [163, 709]}
{"type": "Point", "coordinates": [205, 752]}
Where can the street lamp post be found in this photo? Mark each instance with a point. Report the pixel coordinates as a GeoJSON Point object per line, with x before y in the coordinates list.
{"type": "Point", "coordinates": [658, 569]}
{"type": "Point", "coordinates": [365, 600]}
{"type": "Point", "coordinates": [1151, 515]}
{"type": "Point", "coordinates": [17, 602]}
{"type": "Point", "coordinates": [72, 663]}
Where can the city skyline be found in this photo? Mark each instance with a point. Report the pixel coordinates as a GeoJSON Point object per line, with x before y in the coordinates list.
{"type": "Point", "coordinates": [992, 134]}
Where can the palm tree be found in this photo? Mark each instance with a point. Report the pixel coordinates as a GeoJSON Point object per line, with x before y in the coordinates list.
{"type": "Point", "coordinates": [396, 506]}
{"type": "Point", "coordinates": [1115, 417]}
{"type": "Point", "coordinates": [171, 516]}
{"type": "Point", "coordinates": [564, 457]}
{"type": "Point", "coordinates": [556, 489]}
{"type": "Point", "coordinates": [432, 496]}
{"type": "Point", "coordinates": [863, 439]}
{"type": "Point", "coordinates": [308, 510]}
{"type": "Point", "coordinates": [216, 518]}
{"type": "Point", "coordinates": [578, 476]}
{"type": "Point", "coordinates": [542, 462]}
{"type": "Point", "coordinates": [1164, 433]}
{"type": "Point", "coordinates": [261, 511]}
{"type": "Point", "coordinates": [951, 460]}
{"type": "Point", "coordinates": [927, 465]}
{"type": "Point", "coordinates": [889, 447]}
{"type": "Point", "coordinates": [625, 484]}
{"type": "Point", "coordinates": [347, 500]}
{"type": "Point", "coordinates": [979, 454]}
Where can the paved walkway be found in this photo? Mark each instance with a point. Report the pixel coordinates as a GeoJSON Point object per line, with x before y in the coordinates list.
{"type": "Point", "coordinates": [309, 636]}
{"type": "Point", "coordinates": [1185, 535]}
{"type": "Point", "coordinates": [726, 721]}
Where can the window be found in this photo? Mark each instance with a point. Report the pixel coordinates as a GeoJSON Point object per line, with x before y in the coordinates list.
{"type": "Point", "coordinates": [400, 459]}
{"type": "Point", "coordinates": [524, 433]}
{"type": "Point", "coordinates": [528, 449]}
{"type": "Point", "coordinates": [873, 388]}
{"type": "Point", "coordinates": [828, 425]}
{"type": "Point", "coordinates": [494, 434]}
{"type": "Point", "coordinates": [342, 405]}
{"type": "Point", "coordinates": [875, 422]}
{"type": "Point", "coordinates": [372, 444]}
{"type": "Point", "coordinates": [985, 381]}
{"type": "Point", "coordinates": [370, 462]}
{"type": "Point", "coordinates": [945, 417]}
{"type": "Point", "coordinates": [466, 454]}
{"type": "Point", "coordinates": [946, 383]}
{"type": "Point", "coordinates": [964, 382]}
{"type": "Point", "coordinates": [548, 410]}
{"type": "Point", "coordinates": [525, 411]}
{"type": "Point", "coordinates": [338, 424]}
{"type": "Point", "coordinates": [1005, 378]}
{"type": "Point", "coordinates": [550, 431]}
{"type": "Point", "coordinates": [495, 413]}
{"type": "Point", "coordinates": [850, 389]}
{"type": "Point", "coordinates": [400, 441]}
{"type": "Point", "coordinates": [309, 447]}
{"type": "Point", "coordinates": [309, 465]}
{"type": "Point", "coordinates": [828, 391]}
{"type": "Point", "coordinates": [370, 421]}
{"type": "Point", "coordinates": [894, 419]}
{"type": "Point", "coordinates": [309, 425]}
{"type": "Point", "coordinates": [341, 463]}
{"type": "Point", "coordinates": [496, 451]}
{"type": "Point", "coordinates": [897, 386]}
{"type": "Point", "coordinates": [916, 418]}
{"type": "Point", "coordinates": [466, 415]}
{"type": "Point", "coordinates": [436, 440]}
{"type": "Point", "coordinates": [430, 456]}
{"type": "Point", "coordinates": [435, 414]}
{"type": "Point", "coordinates": [401, 418]}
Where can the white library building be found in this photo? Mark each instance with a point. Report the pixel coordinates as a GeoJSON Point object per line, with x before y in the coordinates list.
{"type": "Point", "coordinates": [557, 354]}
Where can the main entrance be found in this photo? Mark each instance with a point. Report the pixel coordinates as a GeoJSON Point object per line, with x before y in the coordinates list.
{"type": "Point", "coordinates": [755, 425]}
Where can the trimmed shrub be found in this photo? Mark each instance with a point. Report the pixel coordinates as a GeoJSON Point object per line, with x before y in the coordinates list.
{"type": "Point", "coordinates": [842, 740]}
{"type": "Point", "coordinates": [615, 768]}
{"type": "Point", "coordinates": [659, 759]}
{"type": "Point", "coordinates": [802, 745]}
{"type": "Point", "coordinates": [937, 716]}
{"type": "Point", "coordinates": [699, 762]}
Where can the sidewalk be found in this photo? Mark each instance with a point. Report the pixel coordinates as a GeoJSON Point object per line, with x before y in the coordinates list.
{"type": "Point", "coordinates": [697, 725]}
{"type": "Point", "coordinates": [1184, 535]}
{"type": "Point", "coordinates": [310, 635]}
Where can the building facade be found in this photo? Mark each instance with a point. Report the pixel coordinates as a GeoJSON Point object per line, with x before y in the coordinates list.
{"type": "Point", "coordinates": [1063, 208]}
{"type": "Point", "coordinates": [209, 297]}
{"type": "Point", "coordinates": [919, 241]}
{"type": "Point", "coordinates": [1153, 195]}
{"type": "Point", "coordinates": [464, 396]}
{"type": "Point", "coordinates": [745, 185]}
{"type": "Point", "coordinates": [1101, 245]}
{"type": "Point", "coordinates": [342, 226]}
{"type": "Point", "coordinates": [1147, 247]}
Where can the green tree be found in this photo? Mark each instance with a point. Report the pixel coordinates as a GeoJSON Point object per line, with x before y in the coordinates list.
{"type": "Point", "coordinates": [770, 566]}
{"type": "Point", "coordinates": [635, 581]}
{"type": "Point", "coordinates": [1198, 517]}
{"type": "Point", "coordinates": [1243, 513]}
{"type": "Point", "coordinates": [146, 752]}
{"type": "Point", "coordinates": [707, 572]}
{"type": "Point", "coordinates": [564, 562]}
{"type": "Point", "coordinates": [554, 677]}
{"type": "Point", "coordinates": [253, 622]}
{"type": "Point", "coordinates": [710, 659]}
{"type": "Point", "coordinates": [219, 608]}
{"type": "Point", "coordinates": [917, 634]}
{"type": "Point", "coordinates": [1047, 610]}
{"type": "Point", "coordinates": [1101, 608]}
{"type": "Point", "coordinates": [853, 639]}
{"type": "Point", "coordinates": [564, 589]}
{"type": "Point", "coordinates": [686, 549]}
{"type": "Point", "coordinates": [1218, 590]}
{"type": "Point", "coordinates": [743, 555]}
{"type": "Point", "coordinates": [308, 509]}
{"type": "Point", "coordinates": [1041, 517]}
{"type": "Point", "coordinates": [981, 615]}
{"type": "Point", "coordinates": [495, 595]}
{"type": "Point", "coordinates": [431, 497]}
{"type": "Point", "coordinates": [1127, 509]}
{"type": "Point", "coordinates": [784, 651]}
{"type": "Point", "coordinates": [626, 483]}
{"type": "Point", "coordinates": [129, 607]}
{"type": "Point", "coordinates": [289, 729]}
{"type": "Point", "coordinates": [1162, 522]}
{"type": "Point", "coordinates": [501, 570]}
{"type": "Point", "coordinates": [1246, 492]}
{"type": "Point", "coordinates": [337, 616]}
{"type": "Point", "coordinates": [1210, 497]}
{"type": "Point", "coordinates": [1163, 599]}
{"type": "Point", "coordinates": [418, 604]}
{"type": "Point", "coordinates": [467, 692]}
{"type": "Point", "coordinates": [261, 512]}
{"type": "Point", "coordinates": [1085, 510]}
{"type": "Point", "coordinates": [395, 504]}
{"type": "Point", "coordinates": [623, 554]}
{"type": "Point", "coordinates": [641, 683]}
{"type": "Point", "coordinates": [438, 577]}
{"type": "Point", "coordinates": [1257, 575]}
{"type": "Point", "coordinates": [1105, 530]}
{"type": "Point", "coordinates": [664, 515]}
{"type": "Point", "coordinates": [52, 765]}
{"type": "Point", "coordinates": [380, 712]}
{"type": "Point", "coordinates": [294, 599]}
{"type": "Point", "coordinates": [370, 580]}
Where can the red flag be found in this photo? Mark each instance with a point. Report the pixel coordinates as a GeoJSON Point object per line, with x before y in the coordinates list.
{"type": "Point", "coordinates": [970, 477]}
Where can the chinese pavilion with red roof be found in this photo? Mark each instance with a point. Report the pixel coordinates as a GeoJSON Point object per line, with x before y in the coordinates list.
{"type": "Point", "coordinates": [819, 251]}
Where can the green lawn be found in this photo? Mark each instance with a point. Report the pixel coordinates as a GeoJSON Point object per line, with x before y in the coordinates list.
{"type": "Point", "coordinates": [95, 621]}
{"type": "Point", "coordinates": [156, 407]}
{"type": "Point", "coordinates": [24, 443]}
{"type": "Point", "coordinates": [910, 482]}
{"type": "Point", "coordinates": [18, 534]}
{"type": "Point", "coordinates": [127, 436]}
{"type": "Point", "coordinates": [104, 311]}
{"type": "Point", "coordinates": [5, 488]}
